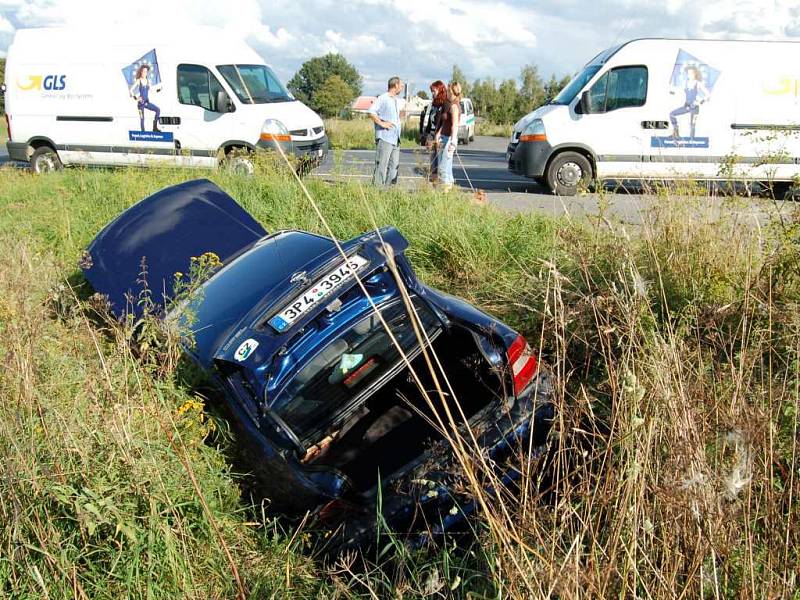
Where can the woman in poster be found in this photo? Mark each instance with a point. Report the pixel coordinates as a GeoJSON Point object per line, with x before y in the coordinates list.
{"type": "Point", "coordinates": [696, 93]}
{"type": "Point", "coordinates": [142, 82]}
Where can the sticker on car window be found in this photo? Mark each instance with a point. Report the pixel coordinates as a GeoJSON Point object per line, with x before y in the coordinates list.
{"type": "Point", "coordinates": [245, 349]}
{"type": "Point", "coordinates": [349, 361]}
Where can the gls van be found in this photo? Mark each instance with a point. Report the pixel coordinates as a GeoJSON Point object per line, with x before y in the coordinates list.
{"type": "Point", "coordinates": [186, 96]}
{"type": "Point", "coordinates": [666, 109]}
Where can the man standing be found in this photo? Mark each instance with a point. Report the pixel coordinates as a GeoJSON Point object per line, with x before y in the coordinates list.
{"type": "Point", "coordinates": [385, 113]}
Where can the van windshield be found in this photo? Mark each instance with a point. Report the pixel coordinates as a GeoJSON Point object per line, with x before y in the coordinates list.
{"type": "Point", "coordinates": [255, 84]}
{"type": "Point", "coordinates": [568, 94]}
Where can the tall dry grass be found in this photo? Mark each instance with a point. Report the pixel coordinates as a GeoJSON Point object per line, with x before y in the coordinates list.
{"type": "Point", "coordinates": [359, 133]}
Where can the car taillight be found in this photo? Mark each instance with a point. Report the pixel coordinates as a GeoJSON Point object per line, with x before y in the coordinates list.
{"type": "Point", "coordinates": [8, 126]}
{"type": "Point", "coordinates": [523, 363]}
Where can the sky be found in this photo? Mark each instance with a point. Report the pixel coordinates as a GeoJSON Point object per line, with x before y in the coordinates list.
{"type": "Point", "coordinates": [420, 40]}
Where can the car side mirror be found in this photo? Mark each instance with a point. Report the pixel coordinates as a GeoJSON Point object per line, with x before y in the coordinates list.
{"type": "Point", "coordinates": [224, 104]}
{"type": "Point", "coordinates": [585, 103]}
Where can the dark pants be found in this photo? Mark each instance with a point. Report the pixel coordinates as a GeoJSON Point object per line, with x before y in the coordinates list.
{"type": "Point", "coordinates": [434, 172]}
{"type": "Point", "coordinates": [149, 106]}
{"type": "Point", "coordinates": [387, 158]}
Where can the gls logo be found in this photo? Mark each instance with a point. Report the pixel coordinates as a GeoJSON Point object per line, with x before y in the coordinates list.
{"type": "Point", "coordinates": [51, 83]}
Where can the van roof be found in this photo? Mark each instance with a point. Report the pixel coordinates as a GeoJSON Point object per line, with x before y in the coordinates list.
{"type": "Point", "coordinates": [203, 43]}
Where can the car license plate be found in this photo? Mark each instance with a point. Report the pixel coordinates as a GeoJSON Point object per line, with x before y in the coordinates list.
{"type": "Point", "coordinates": [315, 294]}
{"type": "Point", "coordinates": [319, 152]}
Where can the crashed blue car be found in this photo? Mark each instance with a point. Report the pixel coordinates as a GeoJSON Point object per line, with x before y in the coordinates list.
{"type": "Point", "coordinates": [320, 400]}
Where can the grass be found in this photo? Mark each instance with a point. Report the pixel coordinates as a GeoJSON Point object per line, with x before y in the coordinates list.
{"type": "Point", "coordinates": [359, 133]}
{"type": "Point", "coordinates": [673, 468]}
{"type": "Point", "coordinates": [3, 130]}
{"type": "Point", "coordinates": [484, 127]}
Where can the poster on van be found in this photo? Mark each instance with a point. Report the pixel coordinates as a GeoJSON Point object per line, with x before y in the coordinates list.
{"type": "Point", "coordinates": [144, 78]}
{"type": "Point", "coordinates": [692, 80]}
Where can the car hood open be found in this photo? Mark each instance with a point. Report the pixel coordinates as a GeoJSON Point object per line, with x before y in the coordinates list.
{"type": "Point", "coordinates": [156, 238]}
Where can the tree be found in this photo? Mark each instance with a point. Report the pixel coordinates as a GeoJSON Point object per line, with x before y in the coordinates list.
{"type": "Point", "coordinates": [505, 108]}
{"type": "Point", "coordinates": [458, 75]}
{"type": "Point", "coordinates": [531, 91]}
{"type": "Point", "coordinates": [333, 96]}
{"type": "Point", "coordinates": [422, 94]}
{"type": "Point", "coordinates": [484, 96]}
{"type": "Point", "coordinates": [554, 86]}
{"type": "Point", "coordinates": [316, 71]}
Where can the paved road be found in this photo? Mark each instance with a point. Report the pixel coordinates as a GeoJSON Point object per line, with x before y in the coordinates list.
{"type": "Point", "coordinates": [483, 164]}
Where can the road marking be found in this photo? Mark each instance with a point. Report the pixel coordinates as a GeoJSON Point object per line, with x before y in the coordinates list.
{"type": "Point", "coordinates": [372, 162]}
{"type": "Point", "coordinates": [362, 176]}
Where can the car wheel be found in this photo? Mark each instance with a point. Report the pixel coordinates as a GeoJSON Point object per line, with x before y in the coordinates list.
{"type": "Point", "coordinates": [566, 172]}
{"type": "Point", "coordinates": [45, 160]}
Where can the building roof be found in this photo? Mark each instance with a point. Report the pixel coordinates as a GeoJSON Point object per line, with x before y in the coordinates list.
{"type": "Point", "coordinates": [362, 103]}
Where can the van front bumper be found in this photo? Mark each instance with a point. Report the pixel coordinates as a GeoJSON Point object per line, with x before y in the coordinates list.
{"type": "Point", "coordinates": [309, 150]}
{"type": "Point", "coordinates": [17, 151]}
{"type": "Point", "coordinates": [528, 159]}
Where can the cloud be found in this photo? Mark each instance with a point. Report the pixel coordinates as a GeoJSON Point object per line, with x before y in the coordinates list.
{"type": "Point", "coordinates": [421, 39]}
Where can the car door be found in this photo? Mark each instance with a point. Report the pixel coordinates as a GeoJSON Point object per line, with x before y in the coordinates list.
{"type": "Point", "coordinates": [470, 120]}
{"type": "Point", "coordinates": [203, 126]}
{"type": "Point", "coordinates": [611, 114]}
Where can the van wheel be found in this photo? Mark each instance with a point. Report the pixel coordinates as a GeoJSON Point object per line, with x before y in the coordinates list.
{"type": "Point", "coordinates": [45, 160]}
{"type": "Point", "coordinates": [566, 172]}
{"type": "Point", "coordinates": [239, 163]}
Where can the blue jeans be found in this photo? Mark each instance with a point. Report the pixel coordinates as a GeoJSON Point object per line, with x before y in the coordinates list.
{"type": "Point", "coordinates": [446, 159]}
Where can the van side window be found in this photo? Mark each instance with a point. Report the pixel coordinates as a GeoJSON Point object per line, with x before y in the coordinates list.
{"type": "Point", "coordinates": [197, 86]}
{"type": "Point", "coordinates": [619, 88]}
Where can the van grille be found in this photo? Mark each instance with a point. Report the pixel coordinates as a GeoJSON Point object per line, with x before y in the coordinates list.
{"type": "Point", "coordinates": [319, 129]}
{"type": "Point", "coordinates": [299, 132]}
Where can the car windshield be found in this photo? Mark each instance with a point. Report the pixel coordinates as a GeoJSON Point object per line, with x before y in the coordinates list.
{"type": "Point", "coordinates": [349, 365]}
{"type": "Point", "coordinates": [255, 84]}
{"type": "Point", "coordinates": [568, 94]}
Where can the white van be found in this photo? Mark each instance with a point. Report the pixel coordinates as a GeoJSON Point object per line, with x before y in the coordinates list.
{"type": "Point", "coordinates": [184, 96]}
{"type": "Point", "coordinates": [667, 109]}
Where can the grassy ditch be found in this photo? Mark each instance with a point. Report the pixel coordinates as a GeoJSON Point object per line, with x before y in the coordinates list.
{"type": "Point", "coordinates": [673, 468]}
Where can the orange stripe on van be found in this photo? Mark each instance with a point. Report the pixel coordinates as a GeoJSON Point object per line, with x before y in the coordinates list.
{"type": "Point", "coordinates": [536, 137]}
{"type": "Point", "coordinates": [274, 137]}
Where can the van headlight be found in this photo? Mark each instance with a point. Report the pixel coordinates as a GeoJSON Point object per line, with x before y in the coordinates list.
{"type": "Point", "coordinates": [534, 132]}
{"type": "Point", "coordinates": [274, 131]}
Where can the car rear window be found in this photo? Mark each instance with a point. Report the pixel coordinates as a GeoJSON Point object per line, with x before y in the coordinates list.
{"type": "Point", "coordinates": [348, 366]}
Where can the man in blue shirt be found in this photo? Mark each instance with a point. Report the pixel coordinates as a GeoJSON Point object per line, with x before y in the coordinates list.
{"type": "Point", "coordinates": [385, 113]}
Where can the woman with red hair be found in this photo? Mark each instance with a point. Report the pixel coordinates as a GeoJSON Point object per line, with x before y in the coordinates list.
{"type": "Point", "coordinates": [447, 134]}
{"type": "Point", "coordinates": [428, 126]}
